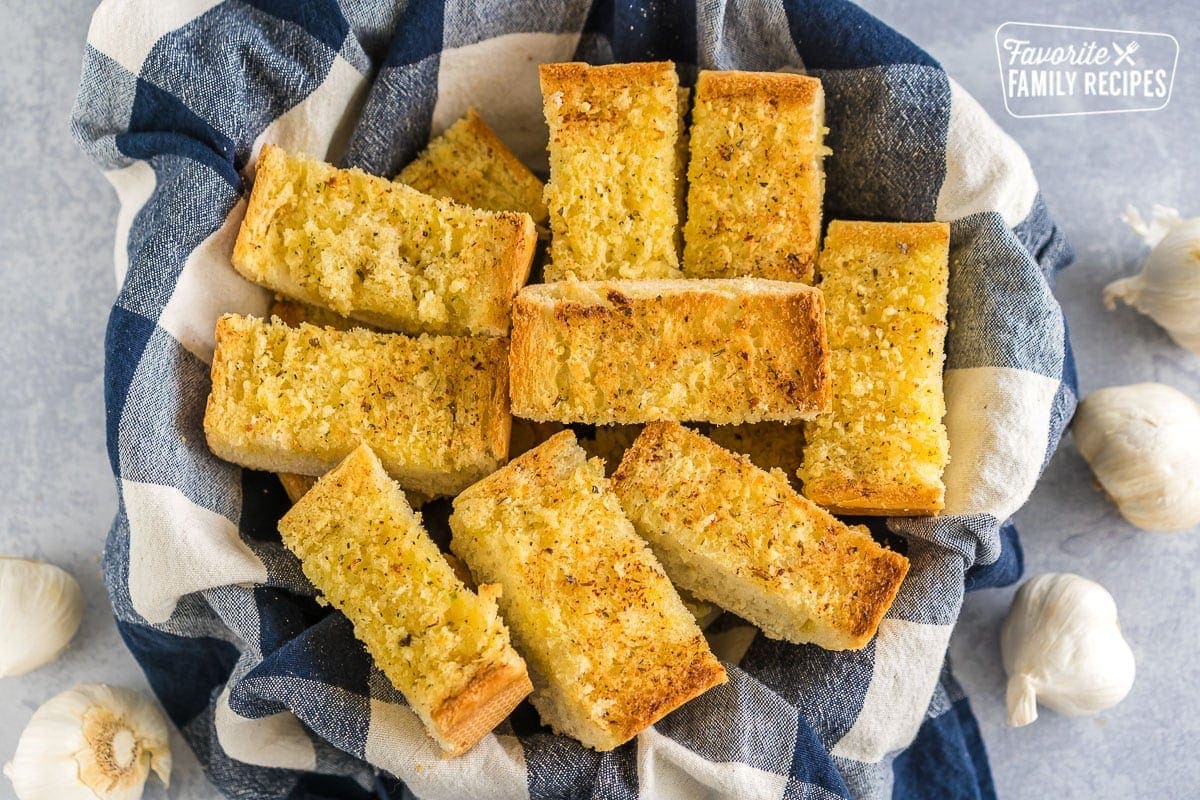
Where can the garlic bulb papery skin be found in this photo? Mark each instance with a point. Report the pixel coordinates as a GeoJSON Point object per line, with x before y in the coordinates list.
{"type": "Point", "coordinates": [1168, 288]}
{"type": "Point", "coordinates": [1062, 647]}
{"type": "Point", "coordinates": [1143, 444]}
{"type": "Point", "coordinates": [93, 742]}
{"type": "Point", "coordinates": [40, 610]}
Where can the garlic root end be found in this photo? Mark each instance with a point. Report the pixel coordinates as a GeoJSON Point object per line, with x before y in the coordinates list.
{"type": "Point", "coordinates": [1125, 290]}
{"type": "Point", "coordinates": [1133, 218]}
{"type": "Point", "coordinates": [1022, 701]}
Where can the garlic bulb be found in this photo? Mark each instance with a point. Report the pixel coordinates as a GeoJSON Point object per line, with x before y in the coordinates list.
{"type": "Point", "coordinates": [1143, 444]}
{"type": "Point", "coordinates": [1062, 647]}
{"type": "Point", "coordinates": [92, 742]}
{"type": "Point", "coordinates": [40, 610]}
{"type": "Point", "coordinates": [1168, 287]}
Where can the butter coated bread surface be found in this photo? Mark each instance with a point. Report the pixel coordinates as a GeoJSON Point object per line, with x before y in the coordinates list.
{"type": "Point", "coordinates": [293, 312]}
{"type": "Point", "coordinates": [442, 645]}
{"type": "Point", "coordinates": [743, 539]}
{"type": "Point", "coordinates": [381, 252]}
{"type": "Point", "coordinates": [610, 646]}
{"type": "Point", "coordinates": [433, 408]}
{"type": "Point", "coordinates": [615, 169]}
{"type": "Point", "coordinates": [722, 351]}
{"type": "Point", "coordinates": [883, 447]}
{"type": "Point", "coordinates": [470, 165]}
{"type": "Point", "coordinates": [755, 177]}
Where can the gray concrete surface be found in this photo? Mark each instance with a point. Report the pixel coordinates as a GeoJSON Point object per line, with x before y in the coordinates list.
{"type": "Point", "coordinates": [56, 218]}
{"type": "Point", "coordinates": [56, 237]}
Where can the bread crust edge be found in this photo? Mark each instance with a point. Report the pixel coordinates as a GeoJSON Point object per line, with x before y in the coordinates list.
{"type": "Point", "coordinates": [463, 719]}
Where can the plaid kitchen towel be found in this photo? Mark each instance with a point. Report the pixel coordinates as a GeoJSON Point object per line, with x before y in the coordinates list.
{"type": "Point", "coordinates": [270, 689]}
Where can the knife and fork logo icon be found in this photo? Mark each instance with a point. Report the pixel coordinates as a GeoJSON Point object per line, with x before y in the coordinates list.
{"type": "Point", "coordinates": [1125, 54]}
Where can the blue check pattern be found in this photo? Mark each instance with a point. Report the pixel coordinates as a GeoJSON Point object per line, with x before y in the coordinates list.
{"type": "Point", "coordinates": [270, 688]}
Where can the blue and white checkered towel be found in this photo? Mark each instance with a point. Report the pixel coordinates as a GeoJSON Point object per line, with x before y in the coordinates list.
{"type": "Point", "coordinates": [271, 690]}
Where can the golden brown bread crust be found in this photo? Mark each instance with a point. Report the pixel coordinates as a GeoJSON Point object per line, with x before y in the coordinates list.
{"type": "Point", "coordinates": [755, 176]}
{"type": "Point", "coordinates": [497, 420]}
{"type": "Point", "coordinates": [882, 448]}
{"type": "Point", "coordinates": [575, 78]}
{"type": "Point", "coordinates": [763, 87]}
{"type": "Point", "coordinates": [465, 718]}
{"type": "Point", "coordinates": [862, 499]}
{"type": "Point", "coordinates": [518, 259]}
{"type": "Point", "coordinates": [877, 597]}
{"type": "Point", "coordinates": [764, 552]}
{"type": "Point", "coordinates": [269, 169]}
{"type": "Point", "coordinates": [609, 646]}
{"type": "Point", "coordinates": [723, 351]}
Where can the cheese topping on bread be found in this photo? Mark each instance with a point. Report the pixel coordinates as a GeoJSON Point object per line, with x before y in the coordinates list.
{"type": "Point", "coordinates": [381, 252]}
{"type": "Point", "coordinates": [442, 645]}
{"type": "Point", "coordinates": [723, 351]}
{"type": "Point", "coordinates": [615, 170]}
{"type": "Point", "coordinates": [883, 448]}
{"type": "Point", "coordinates": [742, 538]}
{"type": "Point", "coordinates": [755, 176]}
{"type": "Point", "coordinates": [470, 165]}
{"type": "Point", "coordinates": [434, 408]}
{"type": "Point", "coordinates": [294, 313]}
{"type": "Point", "coordinates": [610, 646]}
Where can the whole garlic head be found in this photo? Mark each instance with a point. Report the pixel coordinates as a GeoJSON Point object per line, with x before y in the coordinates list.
{"type": "Point", "coordinates": [90, 742]}
{"type": "Point", "coordinates": [1062, 647]}
{"type": "Point", "coordinates": [1143, 444]}
{"type": "Point", "coordinates": [40, 609]}
{"type": "Point", "coordinates": [1168, 287]}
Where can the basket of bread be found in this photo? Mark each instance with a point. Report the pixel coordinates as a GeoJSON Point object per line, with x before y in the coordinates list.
{"type": "Point", "coordinates": [637, 461]}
